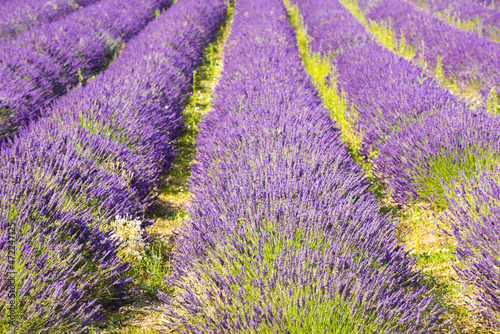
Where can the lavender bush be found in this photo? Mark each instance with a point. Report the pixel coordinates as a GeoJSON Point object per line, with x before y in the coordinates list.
{"type": "Point", "coordinates": [424, 158]}
{"type": "Point", "coordinates": [44, 63]}
{"type": "Point", "coordinates": [284, 236]}
{"type": "Point", "coordinates": [387, 91]}
{"type": "Point", "coordinates": [474, 216]}
{"type": "Point", "coordinates": [60, 261]}
{"type": "Point", "coordinates": [98, 153]}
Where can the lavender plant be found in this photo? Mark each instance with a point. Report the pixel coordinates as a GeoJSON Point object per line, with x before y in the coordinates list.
{"type": "Point", "coordinates": [474, 217]}
{"type": "Point", "coordinates": [436, 142]}
{"type": "Point", "coordinates": [98, 153]}
{"type": "Point", "coordinates": [44, 63]}
{"type": "Point", "coordinates": [284, 236]}
{"type": "Point", "coordinates": [432, 154]}
{"type": "Point", "coordinates": [387, 91]}
{"type": "Point", "coordinates": [58, 263]}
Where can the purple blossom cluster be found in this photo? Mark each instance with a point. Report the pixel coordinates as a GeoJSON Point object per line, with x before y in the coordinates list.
{"type": "Point", "coordinates": [63, 260]}
{"type": "Point", "coordinates": [99, 153]}
{"type": "Point", "coordinates": [476, 225]}
{"type": "Point", "coordinates": [388, 92]}
{"type": "Point", "coordinates": [469, 59]}
{"type": "Point", "coordinates": [44, 63]}
{"type": "Point", "coordinates": [434, 141]}
{"type": "Point", "coordinates": [284, 236]}
{"type": "Point", "coordinates": [22, 15]}
{"type": "Point", "coordinates": [429, 154]}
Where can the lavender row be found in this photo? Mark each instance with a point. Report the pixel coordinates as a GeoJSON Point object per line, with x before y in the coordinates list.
{"type": "Point", "coordinates": [434, 141]}
{"type": "Point", "coordinates": [99, 154]}
{"type": "Point", "coordinates": [465, 14]}
{"type": "Point", "coordinates": [464, 57]}
{"type": "Point", "coordinates": [451, 157]}
{"type": "Point", "coordinates": [284, 236]}
{"type": "Point", "coordinates": [474, 216]}
{"type": "Point", "coordinates": [22, 15]}
{"type": "Point", "coordinates": [44, 63]}
{"type": "Point", "coordinates": [417, 129]}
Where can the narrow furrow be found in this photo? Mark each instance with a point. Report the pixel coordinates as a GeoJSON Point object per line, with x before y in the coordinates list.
{"type": "Point", "coordinates": [141, 314]}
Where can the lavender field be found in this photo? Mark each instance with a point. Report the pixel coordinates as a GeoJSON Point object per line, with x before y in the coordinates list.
{"type": "Point", "coordinates": [250, 166]}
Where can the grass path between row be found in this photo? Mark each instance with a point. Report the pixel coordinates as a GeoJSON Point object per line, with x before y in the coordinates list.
{"type": "Point", "coordinates": [139, 314]}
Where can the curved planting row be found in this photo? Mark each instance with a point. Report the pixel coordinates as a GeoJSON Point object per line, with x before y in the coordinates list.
{"type": "Point", "coordinates": [464, 57]}
{"type": "Point", "coordinates": [425, 141]}
{"type": "Point", "coordinates": [44, 63]}
{"type": "Point", "coordinates": [465, 15]}
{"type": "Point", "coordinates": [475, 224]}
{"type": "Point", "coordinates": [22, 15]}
{"type": "Point", "coordinates": [284, 236]}
{"type": "Point", "coordinates": [100, 154]}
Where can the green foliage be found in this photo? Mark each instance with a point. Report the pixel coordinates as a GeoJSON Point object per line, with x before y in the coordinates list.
{"type": "Point", "coordinates": [79, 75]}
{"type": "Point", "coordinates": [436, 257]}
{"type": "Point", "coordinates": [150, 270]}
{"type": "Point", "coordinates": [492, 104]}
{"type": "Point", "coordinates": [194, 83]}
{"type": "Point", "coordinates": [450, 169]}
{"type": "Point", "coordinates": [438, 72]}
